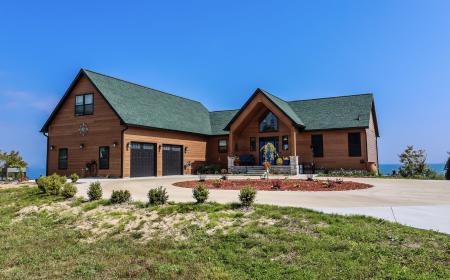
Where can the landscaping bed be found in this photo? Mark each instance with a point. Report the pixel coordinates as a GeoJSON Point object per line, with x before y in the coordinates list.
{"type": "Point", "coordinates": [282, 185]}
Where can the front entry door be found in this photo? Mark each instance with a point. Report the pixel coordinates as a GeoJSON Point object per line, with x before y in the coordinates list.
{"type": "Point", "coordinates": [263, 141]}
{"type": "Point", "coordinates": [172, 160]}
{"type": "Point", "coordinates": [142, 159]}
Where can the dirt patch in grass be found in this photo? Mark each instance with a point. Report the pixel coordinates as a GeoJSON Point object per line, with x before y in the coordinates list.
{"type": "Point", "coordinates": [284, 185]}
{"type": "Point", "coordinates": [143, 224]}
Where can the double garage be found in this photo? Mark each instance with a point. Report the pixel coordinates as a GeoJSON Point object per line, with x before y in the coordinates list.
{"type": "Point", "coordinates": [144, 159]}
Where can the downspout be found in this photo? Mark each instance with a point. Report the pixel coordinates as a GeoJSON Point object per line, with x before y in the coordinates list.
{"type": "Point", "coordinates": [122, 150]}
{"type": "Point", "coordinates": [46, 159]}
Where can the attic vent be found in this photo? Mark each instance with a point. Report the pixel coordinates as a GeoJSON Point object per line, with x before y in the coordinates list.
{"type": "Point", "coordinates": [358, 118]}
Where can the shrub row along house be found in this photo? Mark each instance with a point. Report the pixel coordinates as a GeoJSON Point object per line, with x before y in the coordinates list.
{"type": "Point", "coordinates": [104, 126]}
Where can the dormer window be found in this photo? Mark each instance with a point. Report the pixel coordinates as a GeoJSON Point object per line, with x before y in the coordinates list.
{"type": "Point", "coordinates": [84, 104]}
{"type": "Point", "coordinates": [269, 123]}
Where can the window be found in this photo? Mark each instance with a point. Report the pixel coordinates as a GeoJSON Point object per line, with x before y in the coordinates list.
{"type": "Point", "coordinates": [223, 146]}
{"type": "Point", "coordinates": [84, 104]}
{"type": "Point", "coordinates": [317, 145]}
{"type": "Point", "coordinates": [62, 158]}
{"type": "Point", "coordinates": [104, 157]}
{"type": "Point", "coordinates": [269, 123]}
{"type": "Point", "coordinates": [252, 143]}
{"type": "Point", "coordinates": [354, 144]}
{"type": "Point", "coordinates": [285, 142]}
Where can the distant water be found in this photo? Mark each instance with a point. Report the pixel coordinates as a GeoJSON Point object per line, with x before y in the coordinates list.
{"type": "Point", "coordinates": [387, 168]}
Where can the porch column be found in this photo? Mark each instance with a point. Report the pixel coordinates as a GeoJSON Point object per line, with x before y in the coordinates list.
{"type": "Point", "coordinates": [293, 141]}
{"type": "Point", "coordinates": [231, 143]}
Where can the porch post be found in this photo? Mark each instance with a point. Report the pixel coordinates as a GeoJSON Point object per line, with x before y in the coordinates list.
{"type": "Point", "coordinates": [231, 143]}
{"type": "Point", "coordinates": [293, 142]}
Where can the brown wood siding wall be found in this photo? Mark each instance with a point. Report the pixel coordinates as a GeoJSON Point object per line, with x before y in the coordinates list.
{"type": "Point", "coordinates": [371, 142]}
{"type": "Point", "coordinates": [196, 146]}
{"type": "Point", "coordinates": [335, 150]}
{"type": "Point", "coordinates": [104, 129]}
{"type": "Point", "coordinates": [212, 151]}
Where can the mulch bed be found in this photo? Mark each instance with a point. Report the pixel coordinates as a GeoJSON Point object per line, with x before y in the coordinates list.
{"type": "Point", "coordinates": [286, 185]}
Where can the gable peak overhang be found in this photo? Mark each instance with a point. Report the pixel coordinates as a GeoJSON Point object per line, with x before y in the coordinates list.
{"type": "Point", "coordinates": [280, 104]}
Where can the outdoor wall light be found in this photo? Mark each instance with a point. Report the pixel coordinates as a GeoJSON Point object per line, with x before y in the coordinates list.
{"type": "Point", "coordinates": [185, 149]}
{"type": "Point", "coordinates": [114, 144]}
{"type": "Point", "coordinates": [128, 146]}
{"type": "Point", "coordinates": [81, 146]}
{"type": "Point", "coordinates": [52, 147]}
{"type": "Point", "coordinates": [159, 147]}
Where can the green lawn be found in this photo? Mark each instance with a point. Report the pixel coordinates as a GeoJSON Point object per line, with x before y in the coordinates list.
{"type": "Point", "coordinates": [75, 239]}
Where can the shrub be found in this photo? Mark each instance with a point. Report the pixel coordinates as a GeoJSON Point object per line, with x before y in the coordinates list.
{"type": "Point", "coordinates": [200, 193]}
{"type": "Point", "coordinates": [68, 190]}
{"type": "Point", "coordinates": [224, 177]}
{"type": "Point", "coordinates": [447, 168]}
{"type": "Point", "coordinates": [413, 163]}
{"type": "Point", "coordinates": [120, 196]}
{"type": "Point", "coordinates": [329, 184]}
{"type": "Point", "coordinates": [247, 196]}
{"type": "Point", "coordinates": [74, 177]}
{"type": "Point", "coordinates": [277, 184]}
{"type": "Point", "coordinates": [217, 183]}
{"type": "Point", "coordinates": [51, 184]}
{"type": "Point", "coordinates": [42, 183]}
{"type": "Point", "coordinates": [158, 196]}
{"type": "Point", "coordinates": [95, 191]}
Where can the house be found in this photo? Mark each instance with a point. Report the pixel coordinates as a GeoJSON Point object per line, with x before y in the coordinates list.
{"type": "Point", "coordinates": [104, 126]}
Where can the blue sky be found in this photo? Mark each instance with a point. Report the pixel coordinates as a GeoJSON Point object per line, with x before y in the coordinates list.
{"type": "Point", "coordinates": [219, 52]}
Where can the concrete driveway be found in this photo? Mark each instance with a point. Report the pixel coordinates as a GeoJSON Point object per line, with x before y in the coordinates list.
{"type": "Point", "coordinates": [419, 203]}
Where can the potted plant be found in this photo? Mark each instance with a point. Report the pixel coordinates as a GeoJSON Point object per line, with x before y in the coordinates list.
{"type": "Point", "coordinates": [237, 161]}
{"type": "Point", "coordinates": [286, 160]}
{"type": "Point", "coordinates": [279, 161]}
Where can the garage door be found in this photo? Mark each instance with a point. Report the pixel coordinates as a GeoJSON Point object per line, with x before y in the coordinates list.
{"type": "Point", "coordinates": [172, 160]}
{"type": "Point", "coordinates": [142, 159]}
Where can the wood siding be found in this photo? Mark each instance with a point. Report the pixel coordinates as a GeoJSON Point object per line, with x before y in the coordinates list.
{"type": "Point", "coordinates": [212, 151]}
{"type": "Point", "coordinates": [104, 129]}
{"type": "Point", "coordinates": [335, 150]}
{"type": "Point", "coordinates": [196, 146]}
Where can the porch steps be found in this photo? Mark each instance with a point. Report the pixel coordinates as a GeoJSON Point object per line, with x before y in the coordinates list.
{"type": "Point", "coordinates": [248, 170]}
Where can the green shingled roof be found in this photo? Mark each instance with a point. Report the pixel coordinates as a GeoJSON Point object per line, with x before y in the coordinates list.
{"type": "Point", "coordinates": [219, 120]}
{"type": "Point", "coordinates": [142, 106]}
{"type": "Point", "coordinates": [285, 107]}
{"type": "Point", "coordinates": [334, 112]}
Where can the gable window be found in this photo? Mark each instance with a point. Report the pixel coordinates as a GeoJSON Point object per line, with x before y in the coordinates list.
{"type": "Point", "coordinates": [252, 143]}
{"type": "Point", "coordinates": [104, 157]}
{"type": "Point", "coordinates": [223, 146]}
{"type": "Point", "coordinates": [62, 158]}
{"type": "Point", "coordinates": [285, 142]}
{"type": "Point", "coordinates": [269, 123]}
{"type": "Point", "coordinates": [317, 145]}
{"type": "Point", "coordinates": [84, 104]}
{"type": "Point", "coordinates": [354, 144]}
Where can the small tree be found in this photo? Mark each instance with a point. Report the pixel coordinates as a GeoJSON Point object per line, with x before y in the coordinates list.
{"type": "Point", "coordinates": [200, 193]}
{"type": "Point", "coordinates": [247, 196]}
{"type": "Point", "coordinates": [447, 168]}
{"type": "Point", "coordinates": [413, 163]}
{"type": "Point", "coordinates": [95, 191]}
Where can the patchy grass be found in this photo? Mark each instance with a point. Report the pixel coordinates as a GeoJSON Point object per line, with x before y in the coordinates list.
{"type": "Point", "coordinates": [73, 239]}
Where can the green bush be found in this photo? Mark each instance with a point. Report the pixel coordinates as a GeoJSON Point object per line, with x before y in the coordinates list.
{"type": "Point", "coordinates": [68, 190]}
{"type": "Point", "coordinates": [51, 184]}
{"type": "Point", "coordinates": [247, 196]}
{"type": "Point", "coordinates": [42, 183]}
{"type": "Point", "coordinates": [158, 196]}
{"type": "Point", "coordinates": [120, 196]}
{"type": "Point", "coordinates": [200, 193]}
{"type": "Point", "coordinates": [95, 191]}
{"type": "Point", "coordinates": [447, 168]}
{"type": "Point", "coordinates": [74, 177]}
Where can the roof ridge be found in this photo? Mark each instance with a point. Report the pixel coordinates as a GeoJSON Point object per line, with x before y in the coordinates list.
{"type": "Point", "coordinates": [331, 97]}
{"type": "Point", "coordinates": [146, 87]}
